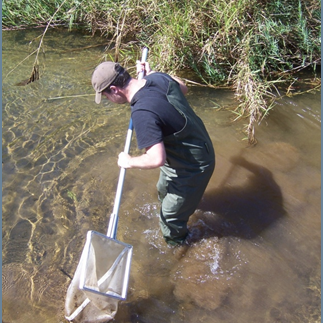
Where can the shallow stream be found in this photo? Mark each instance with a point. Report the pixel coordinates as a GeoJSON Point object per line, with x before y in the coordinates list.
{"type": "Point", "coordinates": [257, 232]}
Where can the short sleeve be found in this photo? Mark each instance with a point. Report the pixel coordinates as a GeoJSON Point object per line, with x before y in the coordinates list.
{"type": "Point", "coordinates": [147, 128]}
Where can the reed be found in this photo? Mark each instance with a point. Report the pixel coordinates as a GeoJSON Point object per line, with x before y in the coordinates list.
{"type": "Point", "coordinates": [246, 44]}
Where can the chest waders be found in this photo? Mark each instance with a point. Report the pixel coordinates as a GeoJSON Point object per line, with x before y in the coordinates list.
{"type": "Point", "coordinates": [189, 166]}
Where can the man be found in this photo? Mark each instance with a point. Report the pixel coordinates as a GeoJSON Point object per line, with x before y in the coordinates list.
{"type": "Point", "coordinates": [173, 136]}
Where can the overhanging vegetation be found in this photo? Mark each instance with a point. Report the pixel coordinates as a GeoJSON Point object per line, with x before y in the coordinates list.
{"type": "Point", "coordinates": [248, 45]}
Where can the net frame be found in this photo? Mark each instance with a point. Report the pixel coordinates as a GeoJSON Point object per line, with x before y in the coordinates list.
{"type": "Point", "coordinates": [114, 258]}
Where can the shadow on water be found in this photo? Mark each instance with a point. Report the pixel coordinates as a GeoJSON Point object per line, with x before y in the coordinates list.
{"type": "Point", "coordinates": [243, 211]}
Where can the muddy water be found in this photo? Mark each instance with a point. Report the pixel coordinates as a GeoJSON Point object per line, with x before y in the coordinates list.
{"type": "Point", "coordinates": [255, 250]}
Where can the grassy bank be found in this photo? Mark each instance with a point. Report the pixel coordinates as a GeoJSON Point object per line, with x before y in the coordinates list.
{"type": "Point", "coordinates": [246, 44]}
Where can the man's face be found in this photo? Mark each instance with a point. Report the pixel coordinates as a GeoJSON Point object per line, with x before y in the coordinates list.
{"type": "Point", "coordinates": [115, 97]}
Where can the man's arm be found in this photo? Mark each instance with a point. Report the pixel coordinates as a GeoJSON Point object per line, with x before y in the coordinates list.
{"type": "Point", "coordinates": [155, 156]}
{"type": "Point", "coordinates": [182, 85]}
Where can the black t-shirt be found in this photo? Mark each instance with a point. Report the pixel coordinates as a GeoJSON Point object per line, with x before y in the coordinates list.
{"type": "Point", "coordinates": [152, 115]}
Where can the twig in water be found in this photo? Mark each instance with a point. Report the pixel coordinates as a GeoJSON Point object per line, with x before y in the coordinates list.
{"type": "Point", "coordinates": [35, 70]}
{"type": "Point", "coordinates": [68, 96]}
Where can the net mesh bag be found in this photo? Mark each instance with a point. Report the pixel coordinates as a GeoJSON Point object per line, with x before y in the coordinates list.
{"type": "Point", "coordinates": [100, 281]}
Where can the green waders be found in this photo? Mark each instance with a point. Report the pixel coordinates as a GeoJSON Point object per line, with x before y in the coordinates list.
{"type": "Point", "coordinates": [189, 166]}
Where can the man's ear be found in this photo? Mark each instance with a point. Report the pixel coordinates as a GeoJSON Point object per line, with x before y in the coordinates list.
{"type": "Point", "coordinates": [114, 89]}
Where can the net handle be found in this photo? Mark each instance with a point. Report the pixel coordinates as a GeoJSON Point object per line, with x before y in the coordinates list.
{"type": "Point", "coordinates": [113, 223]}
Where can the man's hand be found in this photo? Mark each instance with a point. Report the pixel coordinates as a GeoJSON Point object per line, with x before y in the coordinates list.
{"type": "Point", "coordinates": [124, 160]}
{"type": "Point", "coordinates": [143, 67]}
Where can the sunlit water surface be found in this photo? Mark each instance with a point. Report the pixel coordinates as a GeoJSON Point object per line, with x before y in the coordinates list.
{"type": "Point", "coordinates": [255, 254]}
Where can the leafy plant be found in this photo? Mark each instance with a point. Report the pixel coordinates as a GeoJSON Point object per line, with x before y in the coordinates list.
{"type": "Point", "coordinates": [246, 44]}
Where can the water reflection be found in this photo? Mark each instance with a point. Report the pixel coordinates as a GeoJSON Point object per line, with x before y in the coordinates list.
{"type": "Point", "coordinates": [254, 254]}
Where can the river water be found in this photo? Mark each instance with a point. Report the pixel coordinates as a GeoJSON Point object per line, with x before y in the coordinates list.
{"type": "Point", "coordinates": [255, 255]}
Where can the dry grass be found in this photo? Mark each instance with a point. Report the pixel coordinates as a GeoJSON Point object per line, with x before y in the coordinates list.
{"type": "Point", "coordinates": [248, 45]}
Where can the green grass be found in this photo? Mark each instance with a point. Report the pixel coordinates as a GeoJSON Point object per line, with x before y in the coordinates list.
{"type": "Point", "coordinates": [246, 44]}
